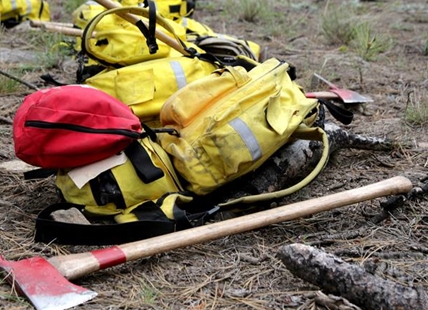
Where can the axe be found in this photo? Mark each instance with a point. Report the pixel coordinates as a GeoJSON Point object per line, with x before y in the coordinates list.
{"type": "Point", "coordinates": [345, 96]}
{"type": "Point", "coordinates": [45, 282]}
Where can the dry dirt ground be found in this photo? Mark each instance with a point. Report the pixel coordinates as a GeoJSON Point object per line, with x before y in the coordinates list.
{"type": "Point", "coordinates": [243, 271]}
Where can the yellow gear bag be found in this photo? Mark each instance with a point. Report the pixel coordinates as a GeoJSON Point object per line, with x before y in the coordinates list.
{"type": "Point", "coordinates": [138, 188]}
{"type": "Point", "coordinates": [12, 12]}
{"type": "Point", "coordinates": [145, 86]}
{"type": "Point", "coordinates": [231, 121]}
{"type": "Point", "coordinates": [112, 41]}
{"type": "Point", "coordinates": [119, 190]}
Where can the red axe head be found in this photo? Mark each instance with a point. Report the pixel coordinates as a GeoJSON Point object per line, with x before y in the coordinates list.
{"type": "Point", "coordinates": [346, 96]}
{"type": "Point", "coordinates": [43, 285]}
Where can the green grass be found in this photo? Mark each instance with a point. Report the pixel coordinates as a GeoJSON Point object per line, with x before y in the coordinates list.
{"type": "Point", "coordinates": [247, 10]}
{"type": "Point", "coordinates": [425, 48]}
{"type": "Point", "coordinates": [51, 48]}
{"type": "Point", "coordinates": [148, 293]}
{"type": "Point", "coordinates": [416, 113]}
{"type": "Point", "coordinates": [344, 26]}
{"type": "Point", "coordinates": [338, 24]}
{"type": "Point", "coordinates": [367, 43]}
{"type": "Point", "coordinates": [71, 5]}
{"type": "Point", "coordinates": [268, 16]}
{"type": "Point", "coordinates": [12, 296]}
{"type": "Point", "coordinates": [8, 85]}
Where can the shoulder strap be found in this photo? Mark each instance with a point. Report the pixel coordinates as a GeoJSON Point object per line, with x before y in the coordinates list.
{"type": "Point", "coordinates": [149, 32]}
{"type": "Point", "coordinates": [142, 163]}
{"type": "Point", "coordinates": [150, 221]}
{"type": "Point", "coordinates": [48, 230]}
{"type": "Point", "coordinates": [342, 115]}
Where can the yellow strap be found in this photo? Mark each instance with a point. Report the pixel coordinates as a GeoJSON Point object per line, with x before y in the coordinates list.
{"type": "Point", "coordinates": [302, 132]}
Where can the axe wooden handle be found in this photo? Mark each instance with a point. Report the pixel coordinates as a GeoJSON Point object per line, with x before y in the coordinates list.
{"type": "Point", "coordinates": [133, 19]}
{"type": "Point", "coordinates": [57, 28]}
{"type": "Point", "coordinates": [322, 95]}
{"type": "Point", "coordinates": [76, 265]}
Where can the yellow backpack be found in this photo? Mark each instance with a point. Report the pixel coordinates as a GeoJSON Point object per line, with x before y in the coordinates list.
{"type": "Point", "coordinates": [145, 86]}
{"type": "Point", "coordinates": [14, 12]}
{"type": "Point", "coordinates": [110, 41]}
{"type": "Point", "coordinates": [114, 42]}
{"type": "Point", "coordinates": [143, 172]}
{"type": "Point", "coordinates": [230, 122]}
{"type": "Point", "coordinates": [133, 195]}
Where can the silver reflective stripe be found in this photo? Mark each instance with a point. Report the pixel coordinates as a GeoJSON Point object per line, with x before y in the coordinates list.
{"type": "Point", "coordinates": [247, 136]}
{"type": "Point", "coordinates": [14, 5]}
{"type": "Point", "coordinates": [28, 7]}
{"type": "Point", "coordinates": [184, 22]}
{"type": "Point", "coordinates": [180, 77]}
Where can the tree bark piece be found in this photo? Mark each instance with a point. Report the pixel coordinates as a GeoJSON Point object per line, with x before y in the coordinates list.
{"type": "Point", "coordinates": [335, 276]}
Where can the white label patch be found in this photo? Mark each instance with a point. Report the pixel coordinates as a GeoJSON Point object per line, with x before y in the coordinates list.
{"type": "Point", "coordinates": [82, 175]}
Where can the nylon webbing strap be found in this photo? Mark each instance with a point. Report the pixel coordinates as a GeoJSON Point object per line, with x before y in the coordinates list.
{"type": "Point", "coordinates": [48, 230]}
{"type": "Point", "coordinates": [142, 163]}
{"type": "Point", "coordinates": [39, 173]}
{"type": "Point", "coordinates": [149, 33]}
{"type": "Point", "coordinates": [342, 115]}
{"type": "Point", "coordinates": [175, 8]}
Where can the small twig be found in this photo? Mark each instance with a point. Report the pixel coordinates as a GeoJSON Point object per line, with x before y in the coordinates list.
{"type": "Point", "coordinates": [395, 202]}
{"type": "Point", "coordinates": [19, 80]}
{"type": "Point", "coordinates": [388, 207]}
{"type": "Point", "coordinates": [334, 302]}
{"type": "Point", "coordinates": [332, 238]}
{"type": "Point", "coordinates": [6, 120]}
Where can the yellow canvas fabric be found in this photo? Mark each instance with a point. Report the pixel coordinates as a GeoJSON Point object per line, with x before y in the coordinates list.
{"type": "Point", "coordinates": [111, 40]}
{"type": "Point", "coordinates": [146, 86]}
{"type": "Point", "coordinates": [24, 10]}
{"type": "Point", "coordinates": [173, 9]}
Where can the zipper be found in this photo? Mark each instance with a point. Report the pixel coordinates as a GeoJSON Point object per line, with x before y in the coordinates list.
{"type": "Point", "coordinates": [78, 128]}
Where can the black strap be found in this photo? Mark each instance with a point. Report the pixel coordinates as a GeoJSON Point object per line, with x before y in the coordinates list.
{"type": "Point", "coordinates": [39, 173]}
{"type": "Point", "coordinates": [175, 8]}
{"type": "Point", "coordinates": [152, 222]}
{"type": "Point", "coordinates": [105, 189]}
{"type": "Point", "coordinates": [49, 79]}
{"type": "Point", "coordinates": [142, 163]}
{"type": "Point", "coordinates": [42, 5]}
{"type": "Point", "coordinates": [342, 115]}
{"type": "Point", "coordinates": [149, 33]}
{"type": "Point", "coordinates": [48, 230]}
